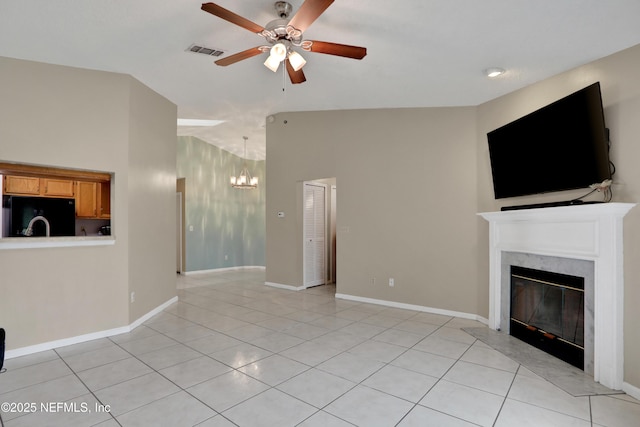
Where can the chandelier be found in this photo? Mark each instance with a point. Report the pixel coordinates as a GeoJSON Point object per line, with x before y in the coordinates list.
{"type": "Point", "coordinates": [244, 181]}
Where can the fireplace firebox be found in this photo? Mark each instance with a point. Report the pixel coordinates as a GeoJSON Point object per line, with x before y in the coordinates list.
{"type": "Point", "coordinates": [547, 311]}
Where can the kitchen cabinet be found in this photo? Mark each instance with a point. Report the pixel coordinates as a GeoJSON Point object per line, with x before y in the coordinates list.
{"type": "Point", "coordinates": [21, 185]}
{"type": "Point", "coordinates": [86, 200]}
{"type": "Point", "coordinates": [104, 200]}
{"type": "Point", "coordinates": [32, 186]}
{"type": "Point", "coordinates": [93, 200]}
{"type": "Point", "coordinates": [57, 187]}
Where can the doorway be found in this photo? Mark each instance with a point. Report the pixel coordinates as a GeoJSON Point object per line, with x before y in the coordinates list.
{"type": "Point", "coordinates": [319, 232]}
{"type": "Point", "coordinates": [179, 233]}
{"type": "Point", "coordinates": [314, 230]}
{"type": "Point", "coordinates": [180, 213]}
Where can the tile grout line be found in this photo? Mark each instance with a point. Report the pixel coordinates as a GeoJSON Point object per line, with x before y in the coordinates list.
{"type": "Point", "coordinates": [439, 379]}
{"type": "Point", "coordinates": [506, 396]}
{"type": "Point", "coordinates": [85, 385]}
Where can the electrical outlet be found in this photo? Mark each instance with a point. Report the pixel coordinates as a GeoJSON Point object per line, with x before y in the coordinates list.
{"type": "Point", "coordinates": [226, 257]}
{"type": "Point", "coordinates": [133, 297]}
{"type": "Point", "coordinates": [392, 282]}
{"type": "Point", "coordinates": [373, 280]}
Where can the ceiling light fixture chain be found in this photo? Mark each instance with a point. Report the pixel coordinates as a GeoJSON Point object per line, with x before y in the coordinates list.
{"type": "Point", "coordinates": [244, 181]}
{"type": "Point", "coordinates": [284, 79]}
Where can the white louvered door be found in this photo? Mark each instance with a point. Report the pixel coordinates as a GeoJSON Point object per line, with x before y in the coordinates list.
{"type": "Point", "coordinates": [315, 248]}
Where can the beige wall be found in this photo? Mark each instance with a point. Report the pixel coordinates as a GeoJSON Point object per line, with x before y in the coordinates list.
{"type": "Point", "coordinates": [411, 181]}
{"type": "Point", "coordinates": [73, 118]}
{"type": "Point", "coordinates": [404, 209]}
{"type": "Point", "coordinates": [618, 76]}
{"type": "Point", "coordinates": [152, 199]}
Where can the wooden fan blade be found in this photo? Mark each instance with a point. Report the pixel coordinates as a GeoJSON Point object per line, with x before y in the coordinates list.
{"type": "Point", "coordinates": [227, 15]}
{"type": "Point", "coordinates": [236, 57]}
{"type": "Point", "coordinates": [309, 12]}
{"type": "Point", "coordinates": [295, 76]}
{"type": "Point", "coordinates": [355, 52]}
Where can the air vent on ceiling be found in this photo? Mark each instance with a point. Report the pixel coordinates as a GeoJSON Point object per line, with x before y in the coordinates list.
{"type": "Point", "coordinates": [204, 50]}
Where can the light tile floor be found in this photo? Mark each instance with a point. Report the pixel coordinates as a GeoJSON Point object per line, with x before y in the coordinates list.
{"type": "Point", "coordinates": [233, 351]}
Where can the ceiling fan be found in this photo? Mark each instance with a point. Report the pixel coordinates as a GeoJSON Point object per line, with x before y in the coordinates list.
{"type": "Point", "coordinates": [283, 34]}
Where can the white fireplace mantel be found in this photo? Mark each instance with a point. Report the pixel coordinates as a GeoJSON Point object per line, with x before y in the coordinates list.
{"type": "Point", "coordinates": [589, 232]}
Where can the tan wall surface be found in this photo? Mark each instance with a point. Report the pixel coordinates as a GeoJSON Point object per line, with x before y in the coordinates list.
{"type": "Point", "coordinates": [618, 77]}
{"type": "Point", "coordinates": [406, 204]}
{"type": "Point", "coordinates": [73, 118]}
{"type": "Point", "coordinates": [152, 200]}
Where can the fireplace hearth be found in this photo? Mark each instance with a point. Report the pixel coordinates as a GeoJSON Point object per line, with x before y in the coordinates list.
{"type": "Point", "coordinates": [547, 311]}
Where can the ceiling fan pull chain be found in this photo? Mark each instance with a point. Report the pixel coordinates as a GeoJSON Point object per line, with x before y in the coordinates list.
{"type": "Point", "coordinates": [284, 78]}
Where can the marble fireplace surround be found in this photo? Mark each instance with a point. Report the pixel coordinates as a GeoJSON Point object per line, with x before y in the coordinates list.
{"type": "Point", "coordinates": [591, 232]}
{"type": "Point", "coordinates": [569, 266]}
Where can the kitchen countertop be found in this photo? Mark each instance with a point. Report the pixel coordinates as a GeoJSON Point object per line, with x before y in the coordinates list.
{"type": "Point", "coordinates": [54, 242]}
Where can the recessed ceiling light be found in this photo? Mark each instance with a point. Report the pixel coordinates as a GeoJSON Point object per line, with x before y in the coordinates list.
{"type": "Point", "coordinates": [494, 72]}
{"type": "Point", "coordinates": [198, 122]}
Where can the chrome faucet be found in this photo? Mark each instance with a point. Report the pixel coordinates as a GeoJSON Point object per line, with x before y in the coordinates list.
{"type": "Point", "coordinates": [29, 231]}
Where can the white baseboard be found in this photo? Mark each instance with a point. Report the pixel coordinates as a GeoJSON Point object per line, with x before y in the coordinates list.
{"type": "Point", "coordinates": [392, 304]}
{"type": "Point", "coordinates": [281, 286]}
{"type": "Point", "coordinates": [631, 390]}
{"type": "Point", "coordinates": [421, 308]}
{"type": "Point", "coordinates": [152, 313]}
{"type": "Point", "coordinates": [219, 270]}
{"type": "Point", "coordinates": [23, 351]}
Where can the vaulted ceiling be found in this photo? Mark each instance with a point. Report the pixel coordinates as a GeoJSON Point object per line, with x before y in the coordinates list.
{"type": "Point", "coordinates": [420, 53]}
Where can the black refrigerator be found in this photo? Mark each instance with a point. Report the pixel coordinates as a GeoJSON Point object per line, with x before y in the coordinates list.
{"type": "Point", "coordinates": [61, 214]}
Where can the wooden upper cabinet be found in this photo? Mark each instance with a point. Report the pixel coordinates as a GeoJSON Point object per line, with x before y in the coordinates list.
{"type": "Point", "coordinates": [32, 186]}
{"type": "Point", "coordinates": [104, 199]}
{"type": "Point", "coordinates": [58, 187]}
{"type": "Point", "coordinates": [93, 200]}
{"type": "Point", "coordinates": [86, 200]}
{"type": "Point", "coordinates": [21, 185]}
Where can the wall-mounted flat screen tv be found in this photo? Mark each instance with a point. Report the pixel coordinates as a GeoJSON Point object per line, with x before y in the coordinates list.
{"type": "Point", "coordinates": [562, 146]}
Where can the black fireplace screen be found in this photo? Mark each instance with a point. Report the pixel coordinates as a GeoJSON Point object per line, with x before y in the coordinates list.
{"type": "Point", "coordinates": [547, 311]}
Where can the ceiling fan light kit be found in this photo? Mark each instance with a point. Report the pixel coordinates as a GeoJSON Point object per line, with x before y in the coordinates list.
{"type": "Point", "coordinates": [282, 35]}
{"type": "Point", "coordinates": [277, 54]}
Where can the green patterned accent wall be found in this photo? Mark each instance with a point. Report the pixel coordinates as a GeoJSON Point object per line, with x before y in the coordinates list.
{"type": "Point", "coordinates": [228, 224]}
